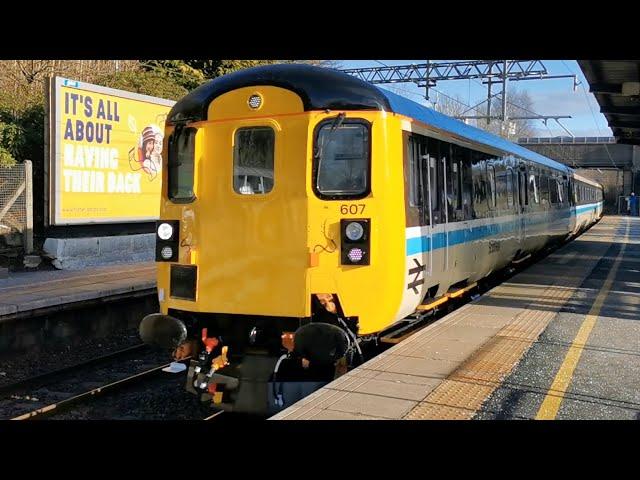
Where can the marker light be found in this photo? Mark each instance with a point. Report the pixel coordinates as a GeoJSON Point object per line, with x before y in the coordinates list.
{"type": "Point", "coordinates": [355, 255]}
{"type": "Point", "coordinates": [354, 231]}
{"type": "Point", "coordinates": [255, 101]}
{"type": "Point", "coordinates": [166, 253]}
{"type": "Point", "coordinates": [165, 231]}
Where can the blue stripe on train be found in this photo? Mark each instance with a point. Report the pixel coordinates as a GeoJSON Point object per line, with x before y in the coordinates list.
{"type": "Point", "coordinates": [422, 244]}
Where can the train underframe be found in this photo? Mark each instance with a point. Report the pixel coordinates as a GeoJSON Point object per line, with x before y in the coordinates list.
{"type": "Point", "coordinates": [252, 364]}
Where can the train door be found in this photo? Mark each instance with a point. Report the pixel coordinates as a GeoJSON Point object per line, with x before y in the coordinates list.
{"type": "Point", "coordinates": [419, 200]}
{"type": "Point", "coordinates": [436, 205]}
{"type": "Point", "coordinates": [427, 217]}
{"type": "Point", "coordinates": [445, 156]}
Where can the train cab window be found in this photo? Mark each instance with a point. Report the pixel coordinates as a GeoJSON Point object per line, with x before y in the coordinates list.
{"type": "Point", "coordinates": [342, 156]}
{"type": "Point", "coordinates": [181, 157]}
{"type": "Point", "coordinates": [253, 152]}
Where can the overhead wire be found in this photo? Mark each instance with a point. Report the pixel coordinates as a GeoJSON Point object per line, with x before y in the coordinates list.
{"type": "Point", "coordinates": [499, 95]}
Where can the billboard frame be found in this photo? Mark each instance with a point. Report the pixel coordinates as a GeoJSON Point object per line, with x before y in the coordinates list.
{"type": "Point", "coordinates": [53, 114]}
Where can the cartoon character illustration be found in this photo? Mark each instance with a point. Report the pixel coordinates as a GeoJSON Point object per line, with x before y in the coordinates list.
{"type": "Point", "coordinates": [149, 152]}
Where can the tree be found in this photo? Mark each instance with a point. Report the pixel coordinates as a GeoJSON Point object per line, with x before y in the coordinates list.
{"type": "Point", "coordinates": [519, 104]}
{"type": "Point", "coordinates": [192, 73]}
{"type": "Point", "coordinates": [22, 99]}
{"type": "Point", "coordinates": [6, 159]}
{"type": "Point", "coordinates": [185, 73]}
{"type": "Point", "coordinates": [153, 83]}
{"type": "Point", "coordinates": [451, 106]}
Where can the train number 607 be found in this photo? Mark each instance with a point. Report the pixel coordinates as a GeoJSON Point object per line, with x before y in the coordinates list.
{"type": "Point", "coordinates": [353, 209]}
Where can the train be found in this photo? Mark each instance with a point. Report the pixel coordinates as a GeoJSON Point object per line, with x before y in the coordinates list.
{"type": "Point", "coordinates": [304, 211]}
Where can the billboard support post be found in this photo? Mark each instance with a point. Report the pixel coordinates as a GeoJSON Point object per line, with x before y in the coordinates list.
{"type": "Point", "coordinates": [28, 191]}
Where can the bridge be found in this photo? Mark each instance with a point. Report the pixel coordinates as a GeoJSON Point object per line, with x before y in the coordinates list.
{"type": "Point", "coordinates": [611, 163]}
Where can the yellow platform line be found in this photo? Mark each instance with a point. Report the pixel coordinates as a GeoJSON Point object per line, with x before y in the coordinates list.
{"type": "Point", "coordinates": [552, 401]}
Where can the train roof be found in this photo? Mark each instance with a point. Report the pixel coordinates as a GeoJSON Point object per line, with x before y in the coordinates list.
{"type": "Point", "coordinates": [587, 180]}
{"type": "Point", "coordinates": [325, 88]}
{"type": "Point", "coordinates": [428, 116]}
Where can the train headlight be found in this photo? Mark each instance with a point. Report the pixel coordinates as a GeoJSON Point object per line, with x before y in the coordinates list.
{"type": "Point", "coordinates": [354, 241]}
{"type": "Point", "coordinates": [354, 231]}
{"type": "Point", "coordinates": [165, 231]}
{"type": "Point", "coordinates": [355, 255]}
{"type": "Point", "coordinates": [167, 240]}
{"type": "Point", "coordinates": [166, 253]}
{"type": "Point", "coordinates": [255, 101]}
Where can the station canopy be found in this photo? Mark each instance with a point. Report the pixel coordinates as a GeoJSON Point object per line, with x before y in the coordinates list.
{"type": "Point", "coordinates": [616, 86]}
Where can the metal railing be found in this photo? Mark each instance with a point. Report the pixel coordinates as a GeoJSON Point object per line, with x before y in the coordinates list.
{"type": "Point", "coordinates": [16, 206]}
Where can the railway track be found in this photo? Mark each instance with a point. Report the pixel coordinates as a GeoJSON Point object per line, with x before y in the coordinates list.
{"type": "Point", "coordinates": [56, 391]}
{"type": "Point", "coordinates": [90, 394]}
{"type": "Point", "coordinates": [87, 398]}
{"type": "Point", "coordinates": [31, 382]}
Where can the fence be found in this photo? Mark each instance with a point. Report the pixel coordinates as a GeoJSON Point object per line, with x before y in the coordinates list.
{"type": "Point", "coordinates": [16, 206]}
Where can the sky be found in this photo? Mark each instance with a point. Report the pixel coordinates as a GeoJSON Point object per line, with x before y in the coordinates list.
{"type": "Point", "coordinates": [550, 97]}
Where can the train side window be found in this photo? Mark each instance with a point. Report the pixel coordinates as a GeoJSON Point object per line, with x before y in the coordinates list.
{"type": "Point", "coordinates": [509, 177]}
{"type": "Point", "coordinates": [444, 165]}
{"type": "Point", "coordinates": [491, 186]}
{"type": "Point", "coordinates": [455, 194]}
{"type": "Point", "coordinates": [522, 185]}
{"type": "Point", "coordinates": [415, 173]}
{"type": "Point", "coordinates": [342, 157]}
{"type": "Point", "coordinates": [501, 189]}
{"type": "Point", "coordinates": [181, 159]}
{"type": "Point", "coordinates": [435, 180]}
{"type": "Point", "coordinates": [544, 188]}
{"type": "Point", "coordinates": [479, 175]}
{"type": "Point", "coordinates": [253, 153]}
{"type": "Point", "coordinates": [467, 184]}
{"type": "Point", "coordinates": [559, 186]}
{"type": "Point", "coordinates": [553, 190]}
{"type": "Point", "coordinates": [533, 188]}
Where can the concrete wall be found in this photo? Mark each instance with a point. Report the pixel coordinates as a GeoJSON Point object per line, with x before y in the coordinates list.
{"type": "Point", "coordinates": [78, 253]}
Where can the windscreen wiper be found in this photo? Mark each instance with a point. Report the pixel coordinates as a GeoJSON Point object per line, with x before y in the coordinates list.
{"type": "Point", "coordinates": [334, 126]}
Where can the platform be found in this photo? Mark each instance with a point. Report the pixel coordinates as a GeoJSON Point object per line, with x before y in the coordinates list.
{"type": "Point", "coordinates": [560, 340]}
{"type": "Point", "coordinates": [25, 293]}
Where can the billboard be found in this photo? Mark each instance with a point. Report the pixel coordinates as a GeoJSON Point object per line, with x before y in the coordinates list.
{"type": "Point", "coordinates": [105, 154]}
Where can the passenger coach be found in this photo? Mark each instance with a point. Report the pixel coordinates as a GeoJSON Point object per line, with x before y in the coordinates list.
{"type": "Point", "coordinates": [304, 211]}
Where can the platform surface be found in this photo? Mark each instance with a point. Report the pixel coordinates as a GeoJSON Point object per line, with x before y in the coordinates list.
{"type": "Point", "coordinates": [27, 291]}
{"type": "Point", "coordinates": [560, 340]}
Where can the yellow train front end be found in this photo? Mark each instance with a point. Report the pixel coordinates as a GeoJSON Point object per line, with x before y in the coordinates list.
{"type": "Point", "coordinates": [280, 239]}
